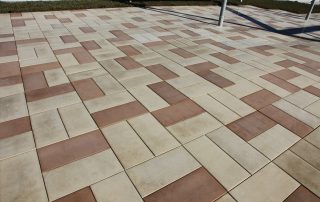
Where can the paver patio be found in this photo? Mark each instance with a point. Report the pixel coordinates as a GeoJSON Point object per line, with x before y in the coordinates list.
{"type": "Point", "coordinates": [130, 104]}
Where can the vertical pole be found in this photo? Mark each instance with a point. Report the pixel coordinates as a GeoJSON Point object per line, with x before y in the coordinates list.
{"type": "Point", "coordinates": [223, 8]}
{"type": "Point", "coordinates": [313, 2]}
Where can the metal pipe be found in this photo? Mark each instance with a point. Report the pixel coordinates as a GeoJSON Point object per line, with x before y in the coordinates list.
{"type": "Point", "coordinates": [223, 8]}
{"type": "Point", "coordinates": [313, 2]}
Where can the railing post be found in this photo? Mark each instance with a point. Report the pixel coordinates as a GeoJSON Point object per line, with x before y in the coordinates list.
{"type": "Point", "coordinates": [223, 8]}
{"type": "Point", "coordinates": [313, 2]}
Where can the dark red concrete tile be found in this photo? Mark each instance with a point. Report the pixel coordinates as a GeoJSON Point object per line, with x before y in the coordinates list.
{"type": "Point", "coordinates": [90, 45]}
{"type": "Point", "coordinates": [285, 74]}
{"type": "Point", "coordinates": [18, 23]}
{"type": "Point", "coordinates": [260, 99]}
{"type": "Point", "coordinates": [15, 127]}
{"type": "Point", "coordinates": [225, 58]}
{"type": "Point", "coordinates": [69, 50]}
{"type": "Point", "coordinates": [65, 20]}
{"type": "Point", "coordinates": [82, 195]}
{"type": "Point", "coordinates": [170, 94]}
{"type": "Point", "coordinates": [162, 72]}
{"type": "Point", "coordinates": [68, 39]}
{"type": "Point", "coordinates": [129, 25]}
{"type": "Point", "coordinates": [70, 150]}
{"type": "Point", "coordinates": [87, 89]}
{"type": "Point", "coordinates": [129, 50]}
{"type": "Point", "coordinates": [9, 69]}
{"type": "Point", "coordinates": [104, 17]}
{"type": "Point", "coordinates": [121, 36]}
{"type": "Point", "coordinates": [197, 186]}
{"type": "Point", "coordinates": [251, 125]}
{"type": "Point", "coordinates": [49, 17]}
{"type": "Point", "coordinates": [313, 90]}
{"type": "Point", "coordinates": [222, 45]}
{"type": "Point", "coordinates": [260, 51]}
{"type": "Point", "coordinates": [215, 79]}
{"type": "Point", "coordinates": [6, 35]}
{"type": "Point", "coordinates": [48, 92]}
{"type": "Point", "coordinates": [287, 63]}
{"type": "Point", "coordinates": [155, 43]}
{"type": "Point", "coordinates": [34, 81]}
{"type": "Point", "coordinates": [183, 53]}
{"type": "Point", "coordinates": [87, 29]}
{"type": "Point", "coordinates": [190, 33]}
{"type": "Point", "coordinates": [40, 68]}
{"type": "Point", "coordinates": [281, 83]}
{"type": "Point", "coordinates": [8, 48]}
{"type": "Point", "coordinates": [12, 80]}
{"type": "Point", "coordinates": [178, 112]}
{"type": "Point", "coordinates": [118, 113]}
{"type": "Point", "coordinates": [83, 57]}
{"type": "Point", "coordinates": [201, 67]}
{"type": "Point", "coordinates": [80, 15]}
{"type": "Point", "coordinates": [236, 38]}
{"type": "Point", "coordinates": [203, 41]}
{"type": "Point", "coordinates": [296, 126]}
{"type": "Point", "coordinates": [302, 195]}
{"type": "Point", "coordinates": [138, 19]}
{"type": "Point", "coordinates": [27, 41]}
{"type": "Point", "coordinates": [128, 63]}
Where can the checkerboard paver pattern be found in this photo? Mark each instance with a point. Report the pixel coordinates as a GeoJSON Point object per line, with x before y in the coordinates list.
{"type": "Point", "coordinates": [131, 104]}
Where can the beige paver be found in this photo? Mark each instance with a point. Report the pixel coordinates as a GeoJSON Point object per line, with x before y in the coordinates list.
{"type": "Point", "coordinates": [48, 128]}
{"type": "Point", "coordinates": [27, 172]}
{"type": "Point", "coordinates": [65, 180]}
{"type": "Point", "coordinates": [217, 162]}
{"type": "Point", "coordinates": [238, 149]}
{"type": "Point", "coordinates": [130, 152]}
{"type": "Point", "coordinates": [13, 107]}
{"type": "Point", "coordinates": [153, 134]}
{"type": "Point", "coordinates": [264, 186]}
{"type": "Point", "coordinates": [158, 172]}
{"type": "Point", "coordinates": [194, 127]}
{"type": "Point", "coordinates": [116, 188]}
{"type": "Point", "coordinates": [274, 141]}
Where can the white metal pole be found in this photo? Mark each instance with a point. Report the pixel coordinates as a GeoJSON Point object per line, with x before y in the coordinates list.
{"type": "Point", "coordinates": [223, 8]}
{"type": "Point", "coordinates": [313, 2]}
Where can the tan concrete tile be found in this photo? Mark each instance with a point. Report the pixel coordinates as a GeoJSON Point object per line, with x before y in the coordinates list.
{"type": "Point", "coordinates": [153, 134]}
{"type": "Point", "coordinates": [303, 172]}
{"type": "Point", "coordinates": [269, 184]}
{"type": "Point", "coordinates": [194, 127]}
{"type": "Point", "coordinates": [16, 145]}
{"type": "Point", "coordinates": [274, 141]}
{"type": "Point", "coordinates": [27, 172]}
{"type": "Point", "coordinates": [13, 107]}
{"type": "Point", "coordinates": [65, 180]}
{"type": "Point", "coordinates": [314, 137]}
{"type": "Point", "coordinates": [302, 81]}
{"type": "Point", "coordinates": [301, 99]}
{"type": "Point", "coordinates": [116, 188]}
{"type": "Point", "coordinates": [108, 101]}
{"type": "Point", "coordinates": [48, 128]}
{"type": "Point", "coordinates": [108, 84]}
{"type": "Point", "coordinates": [307, 152]}
{"type": "Point", "coordinates": [11, 90]}
{"type": "Point", "coordinates": [56, 77]}
{"type": "Point", "coordinates": [53, 102]}
{"type": "Point", "coordinates": [148, 98]}
{"type": "Point", "coordinates": [238, 149]}
{"type": "Point", "coordinates": [298, 113]}
{"type": "Point", "coordinates": [162, 170]}
{"type": "Point", "coordinates": [199, 89]}
{"type": "Point", "coordinates": [243, 88]}
{"type": "Point", "coordinates": [314, 108]}
{"type": "Point", "coordinates": [77, 120]}
{"type": "Point", "coordinates": [127, 145]}
{"type": "Point", "coordinates": [232, 102]}
{"type": "Point", "coordinates": [216, 109]}
{"type": "Point", "coordinates": [226, 198]}
{"type": "Point", "coordinates": [217, 162]}
{"type": "Point", "coordinates": [271, 87]}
